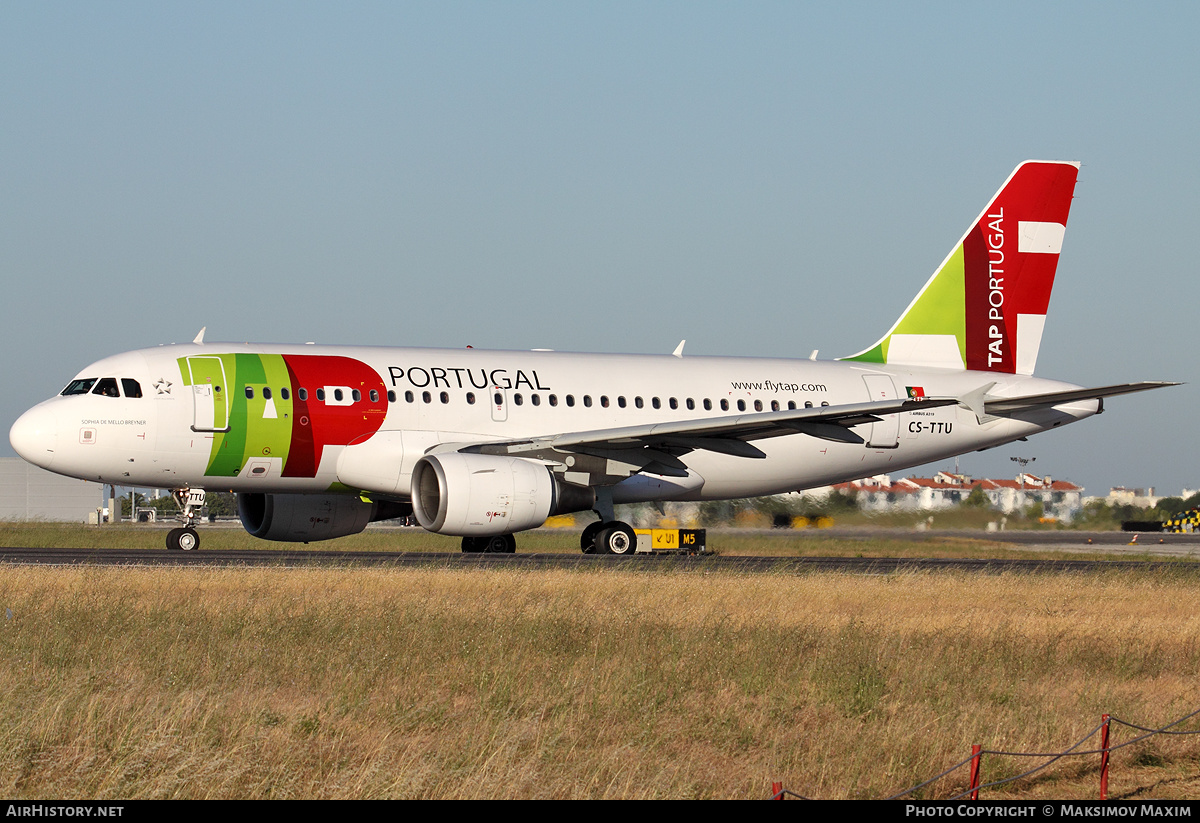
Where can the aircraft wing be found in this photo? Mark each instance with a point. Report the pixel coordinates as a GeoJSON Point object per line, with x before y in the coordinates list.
{"type": "Point", "coordinates": [661, 442]}
{"type": "Point", "coordinates": [1009, 405]}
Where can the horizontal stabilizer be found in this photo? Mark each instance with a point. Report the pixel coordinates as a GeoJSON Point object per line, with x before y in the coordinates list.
{"type": "Point", "coordinates": [1009, 405]}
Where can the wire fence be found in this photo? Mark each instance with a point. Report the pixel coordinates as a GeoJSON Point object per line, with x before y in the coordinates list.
{"type": "Point", "coordinates": [975, 760]}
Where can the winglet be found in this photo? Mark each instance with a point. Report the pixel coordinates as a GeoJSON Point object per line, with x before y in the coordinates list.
{"type": "Point", "coordinates": [200, 337]}
{"type": "Point", "coordinates": [679, 349]}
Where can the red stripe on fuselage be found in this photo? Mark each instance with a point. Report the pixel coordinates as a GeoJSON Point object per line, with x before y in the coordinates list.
{"type": "Point", "coordinates": [316, 423]}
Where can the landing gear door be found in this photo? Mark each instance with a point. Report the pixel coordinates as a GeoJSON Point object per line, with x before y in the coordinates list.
{"type": "Point", "coordinates": [886, 433]}
{"type": "Point", "coordinates": [210, 394]}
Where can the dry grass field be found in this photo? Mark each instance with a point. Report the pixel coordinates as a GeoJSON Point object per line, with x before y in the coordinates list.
{"type": "Point", "coordinates": [438, 683]}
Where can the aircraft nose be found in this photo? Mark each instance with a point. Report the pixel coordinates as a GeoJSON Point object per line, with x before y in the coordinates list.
{"type": "Point", "coordinates": [35, 436]}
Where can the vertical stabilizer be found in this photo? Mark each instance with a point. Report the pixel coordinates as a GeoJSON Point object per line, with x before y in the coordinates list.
{"type": "Point", "coordinates": [985, 307]}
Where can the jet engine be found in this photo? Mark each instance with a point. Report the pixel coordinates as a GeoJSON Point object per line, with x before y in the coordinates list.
{"type": "Point", "coordinates": [308, 517]}
{"type": "Point", "coordinates": [474, 495]}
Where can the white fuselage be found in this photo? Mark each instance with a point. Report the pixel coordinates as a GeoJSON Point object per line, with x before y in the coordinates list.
{"type": "Point", "coordinates": [168, 437]}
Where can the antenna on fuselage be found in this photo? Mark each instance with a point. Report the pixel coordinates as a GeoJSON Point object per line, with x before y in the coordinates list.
{"type": "Point", "coordinates": [679, 349]}
{"type": "Point", "coordinates": [200, 337]}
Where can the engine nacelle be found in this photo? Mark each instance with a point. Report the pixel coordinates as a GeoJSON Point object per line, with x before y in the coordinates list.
{"type": "Point", "coordinates": [477, 495]}
{"type": "Point", "coordinates": [303, 518]}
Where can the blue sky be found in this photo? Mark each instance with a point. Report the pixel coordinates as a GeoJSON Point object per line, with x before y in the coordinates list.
{"type": "Point", "coordinates": [762, 179]}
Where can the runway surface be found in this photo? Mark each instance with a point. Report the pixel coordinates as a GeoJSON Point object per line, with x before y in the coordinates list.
{"type": "Point", "coordinates": [702, 563]}
{"type": "Point", "coordinates": [1118, 548]}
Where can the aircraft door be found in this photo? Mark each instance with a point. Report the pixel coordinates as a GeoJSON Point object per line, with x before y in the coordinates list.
{"type": "Point", "coordinates": [886, 433]}
{"type": "Point", "coordinates": [210, 394]}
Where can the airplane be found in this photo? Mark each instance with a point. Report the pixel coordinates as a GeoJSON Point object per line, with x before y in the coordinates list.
{"type": "Point", "coordinates": [319, 441]}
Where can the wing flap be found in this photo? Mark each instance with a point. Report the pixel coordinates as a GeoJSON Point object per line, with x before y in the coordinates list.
{"type": "Point", "coordinates": [726, 435]}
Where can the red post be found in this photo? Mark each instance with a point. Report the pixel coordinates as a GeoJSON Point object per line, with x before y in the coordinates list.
{"type": "Point", "coordinates": [777, 791]}
{"type": "Point", "coordinates": [1104, 758]}
{"type": "Point", "coordinates": [975, 758]}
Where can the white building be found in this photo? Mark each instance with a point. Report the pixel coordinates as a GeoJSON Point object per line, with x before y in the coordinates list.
{"type": "Point", "coordinates": [1059, 499]}
{"type": "Point", "coordinates": [30, 493]}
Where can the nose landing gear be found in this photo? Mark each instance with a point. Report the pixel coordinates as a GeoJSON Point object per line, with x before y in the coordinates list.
{"type": "Point", "coordinates": [186, 539]}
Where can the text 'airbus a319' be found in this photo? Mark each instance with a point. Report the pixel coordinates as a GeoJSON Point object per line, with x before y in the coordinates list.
{"type": "Point", "coordinates": [318, 441]}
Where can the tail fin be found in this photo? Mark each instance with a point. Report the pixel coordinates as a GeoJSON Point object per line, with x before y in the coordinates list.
{"type": "Point", "coordinates": [985, 307]}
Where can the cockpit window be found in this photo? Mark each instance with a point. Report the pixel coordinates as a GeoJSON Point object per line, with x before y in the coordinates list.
{"type": "Point", "coordinates": [131, 387]}
{"type": "Point", "coordinates": [107, 387]}
{"type": "Point", "coordinates": [79, 386]}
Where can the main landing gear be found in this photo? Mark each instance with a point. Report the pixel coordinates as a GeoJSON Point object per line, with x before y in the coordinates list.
{"type": "Point", "coordinates": [608, 537]}
{"type": "Point", "coordinates": [494, 544]}
{"type": "Point", "coordinates": [186, 539]}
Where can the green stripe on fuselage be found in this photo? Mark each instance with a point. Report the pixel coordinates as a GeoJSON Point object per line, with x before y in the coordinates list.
{"type": "Point", "coordinates": [258, 427]}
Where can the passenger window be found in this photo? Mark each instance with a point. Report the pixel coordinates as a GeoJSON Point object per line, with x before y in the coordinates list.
{"type": "Point", "coordinates": [338, 395]}
{"type": "Point", "coordinates": [587, 400]}
{"type": "Point", "coordinates": [302, 394]}
{"type": "Point", "coordinates": [570, 400]}
{"type": "Point", "coordinates": [691, 404]}
{"type": "Point", "coordinates": [266, 392]}
{"type": "Point", "coordinates": [637, 401]}
{"type": "Point", "coordinates": [758, 405]}
{"type": "Point", "coordinates": [285, 394]}
{"type": "Point", "coordinates": [498, 399]}
{"type": "Point", "coordinates": [79, 386]}
{"type": "Point", "coordinates": [132, 388]}
{"type": "Point", "coordinates": [724, 405]}
{"type": "Point", "coordinates": [518, 399]}
{"type": "Point", "coordinates": [673, 403]}
{"type": "Point", "coordinates": [808, 404]}
{"type": "Point", "coordinates": [621, 401]}
{"type": "Point", "coordinates": [707, 404]}
{"type": "Point", "coordinates": [824, 402]}
{"type": "Point", "coordinates": [470, 398]}
{"type": "Point", "coordinates": [741, 405]}
{"type": "Point", "coordinates": [444, 397]}
{"type": "Point", "coordinates": [374, 396]}
{"type": "Point", "coordinates": [791, 404]}
{"type": "Point", "coordinates": [655, 402]}
{"type": "Point", "coordinates": [321, 395]}
{"type": "Point", "coordinates": [535, 399]}
{"type": "Point", "coordinates": [107, 387]}
{"type": "Point", "coordinates": [604, 400]}
{"type": "Point", "coordinates": [408, 397]}
{"type": "Point", "coordinates": [774, 405]}
{"type": "Point", "coordinates": [391, 395]}
{"type": "Point", "coordinates": [355, 395]}
{"type": "Point", "coordinates": [426, 397]}
{"type": "Point", "coordinates": [554, 400]}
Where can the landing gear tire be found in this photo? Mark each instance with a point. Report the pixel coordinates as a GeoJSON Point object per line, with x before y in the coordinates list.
{"type": "Point", "coordinates": [500, 544]}
{"type": "Point", "coordinates": [186, 540]}
{"type": "Point", "coordinates": [616, 538]}
{"type": "Point", "coordinates": [587, 540]}
{"type": "Point", "coordinates": [496, 544]}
